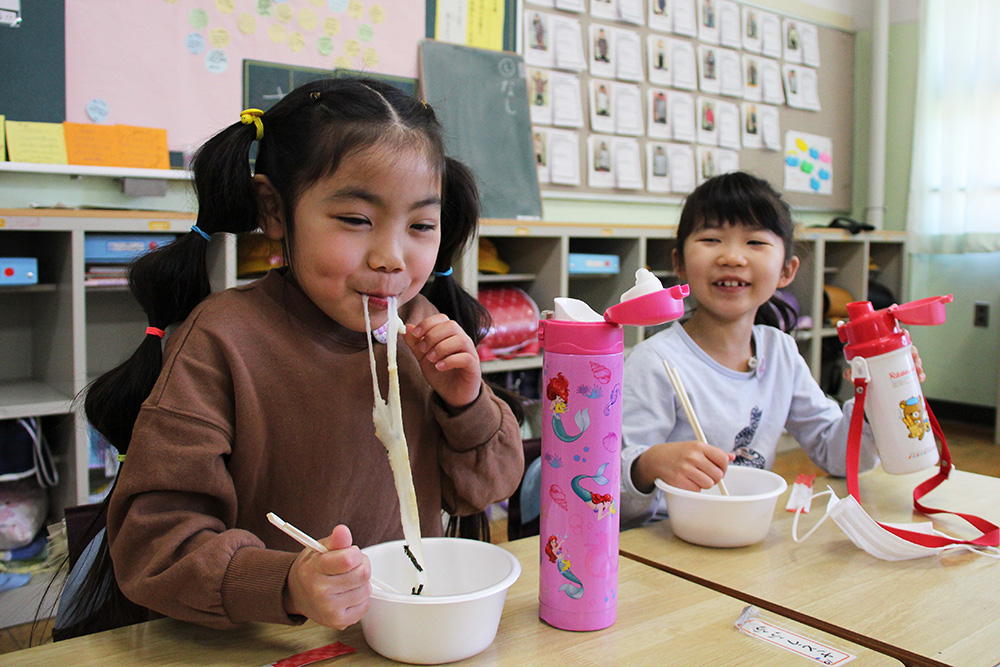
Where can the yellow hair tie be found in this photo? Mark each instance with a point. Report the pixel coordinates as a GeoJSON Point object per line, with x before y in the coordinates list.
{"type": "Point", "coordinates": [248, 116]}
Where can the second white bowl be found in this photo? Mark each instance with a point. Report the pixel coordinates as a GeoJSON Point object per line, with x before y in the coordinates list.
{"type": "Point", "coordinates": [711, 519]}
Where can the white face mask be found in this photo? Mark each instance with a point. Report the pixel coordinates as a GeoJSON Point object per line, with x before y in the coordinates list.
{"type": "Point", "coordinates": [869, 536]}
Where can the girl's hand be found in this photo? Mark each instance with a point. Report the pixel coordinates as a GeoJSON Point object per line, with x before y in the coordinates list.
{"type": "Point", "coordinates": [447, 358]}
{"type": "Point", "coordinates": [689, 465]}
{"type": "Point", "coordinates": [332, 588]}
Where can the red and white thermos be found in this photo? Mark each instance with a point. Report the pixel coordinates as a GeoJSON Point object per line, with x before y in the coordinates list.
{"type": "Point", "coordinates": [878, 348]}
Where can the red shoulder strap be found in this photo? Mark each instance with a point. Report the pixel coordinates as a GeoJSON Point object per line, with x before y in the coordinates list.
{"type": "Point", "coordinates": [990, 532]}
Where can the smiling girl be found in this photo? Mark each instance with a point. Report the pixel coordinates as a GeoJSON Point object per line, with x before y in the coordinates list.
{"type": "Point", "coordinates": [746, 380]}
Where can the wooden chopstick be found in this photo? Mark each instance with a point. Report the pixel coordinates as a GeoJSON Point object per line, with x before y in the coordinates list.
{"type": "Point", "coordinates": [682, 395]}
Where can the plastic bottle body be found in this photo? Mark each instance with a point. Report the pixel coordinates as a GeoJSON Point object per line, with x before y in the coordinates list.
{"type": "Point", "coordinates": [580, 480]}
{"type": "Point", "coordinates": [898, 416]}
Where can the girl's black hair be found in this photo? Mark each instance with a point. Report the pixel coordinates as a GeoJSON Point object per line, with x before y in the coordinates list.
{"type": "Point", "coordinates": [306, 135]}
{"type": "Point", "coordinates": [739, 198]}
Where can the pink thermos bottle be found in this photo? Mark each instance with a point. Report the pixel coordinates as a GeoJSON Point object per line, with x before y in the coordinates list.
{"type": "Point", "coordinates": [879, 349]}
{"type": "Point", "coordinates": [581, 458]}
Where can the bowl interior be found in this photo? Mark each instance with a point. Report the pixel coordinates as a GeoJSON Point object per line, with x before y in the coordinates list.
{"type": "Point", "coordinates": [744, 484]}
{"type": "Point", "coordinates": [457, 569]}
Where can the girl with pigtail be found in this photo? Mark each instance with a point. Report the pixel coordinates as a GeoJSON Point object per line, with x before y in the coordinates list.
{"type": "Point", "coordinates": [262, 401]}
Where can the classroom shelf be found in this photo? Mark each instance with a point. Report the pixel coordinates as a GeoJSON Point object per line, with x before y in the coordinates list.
{"type": "Point", "coordinates": [60, 334]}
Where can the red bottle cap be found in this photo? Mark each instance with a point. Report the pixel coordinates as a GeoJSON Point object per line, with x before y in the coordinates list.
{"type": "Point", "coordinates": [869, 332]}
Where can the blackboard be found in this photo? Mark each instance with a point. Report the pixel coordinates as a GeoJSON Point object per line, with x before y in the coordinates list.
{"type": "Point", "coordinates": [481, 99]}
{"type": "Point", "coordinates": [265, 83]}
{"type": "Point", "coordinates": [33, 57]}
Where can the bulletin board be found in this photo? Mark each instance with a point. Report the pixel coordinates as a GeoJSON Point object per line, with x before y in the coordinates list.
{"type": "Point", "coordinates": [178, 64]}
{"type": "Point", "coordinates": [833, 120]}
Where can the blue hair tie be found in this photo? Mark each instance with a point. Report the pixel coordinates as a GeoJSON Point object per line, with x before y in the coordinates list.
{"type": "Point", "coordinates": [195, 228]}
{"type": "Point", "coordinates": [442, 274]}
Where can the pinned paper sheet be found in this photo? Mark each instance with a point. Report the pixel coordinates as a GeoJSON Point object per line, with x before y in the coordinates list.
{"type": "Point", "coordinates": [808, 163]}
{"type": "Point", "coordinates": [36, 142]}
{"type": "Point", "coordinates": [90, 144]}
{"type": "Point", "coordinates": [143, 147]}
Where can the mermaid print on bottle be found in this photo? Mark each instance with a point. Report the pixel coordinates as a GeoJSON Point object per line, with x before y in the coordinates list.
{"type": "Point", "coordinates": [558, 392]}
{"type": "Point", "coordinates": [603, 504]}
{"type": "Point", "coordinates": [557, 555]}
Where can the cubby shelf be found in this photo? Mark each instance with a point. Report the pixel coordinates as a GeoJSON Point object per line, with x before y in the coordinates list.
{"type": "Point", "coordinates": [60, 334]}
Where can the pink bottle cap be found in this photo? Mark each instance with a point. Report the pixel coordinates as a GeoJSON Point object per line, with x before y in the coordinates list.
{"type": "Point", "coordinates": [924, 312]}
{"type": "Point", "coordinates": [655, 308]}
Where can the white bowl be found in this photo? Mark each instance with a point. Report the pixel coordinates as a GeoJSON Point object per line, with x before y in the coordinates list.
{"type": "Point", "coordinates": [457, 615]}
{"type": "Point", "coordinates": [711, 519]}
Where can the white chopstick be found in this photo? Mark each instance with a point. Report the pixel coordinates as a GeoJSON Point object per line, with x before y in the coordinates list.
{"type": "Point", "coordinates": [310, 543]}
{"type": "Point", "coordinates": [682, 395]}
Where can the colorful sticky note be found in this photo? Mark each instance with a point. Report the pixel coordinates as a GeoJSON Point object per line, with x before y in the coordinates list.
{"type": "Point", "coordinates": [792, 161]}
{"type": "Point", "coordinates": [807, 167]}
{"type": "Point", "coordinates": [813, 153]}
{"type": "Point", "coordinates": [824, 175]}
{"type": "Point", "coordinates": [95, 145]}
{"type": "Point", "coordinates": [814, 184]}
{"type": "Point", "coordinates": [801, 144]}
{"type": "Point", "coordinates": [36, 142]}
{"type": "Point", "coordinates": [825, 157]}
{"type": "Point", "coordinates": [143, 147]}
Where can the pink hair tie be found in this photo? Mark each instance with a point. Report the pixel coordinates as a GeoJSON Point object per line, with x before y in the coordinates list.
{"type": "Point", "coordinates": [153, 331]}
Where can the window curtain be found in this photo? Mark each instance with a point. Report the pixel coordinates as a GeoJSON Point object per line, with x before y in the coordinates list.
{"type": "Point", "coordinates": [954, 204]}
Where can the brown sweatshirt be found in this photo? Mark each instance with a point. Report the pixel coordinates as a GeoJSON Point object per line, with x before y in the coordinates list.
{"type": "Point", "coordinates": [264, 404]}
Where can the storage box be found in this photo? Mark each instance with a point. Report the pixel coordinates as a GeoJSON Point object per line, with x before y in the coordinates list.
{"type": "Point", "coordinates": [18, 270]}
{"type": "Point", "coordinates": [588, 263]}
{"type": "Point", "coordinates": [121, 248]}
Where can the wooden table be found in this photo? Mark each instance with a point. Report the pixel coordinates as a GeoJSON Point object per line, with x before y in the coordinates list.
{"type": "Point", "coordinates": [931, 611]}
{"type": "Point", "coordinates": [661, 619]}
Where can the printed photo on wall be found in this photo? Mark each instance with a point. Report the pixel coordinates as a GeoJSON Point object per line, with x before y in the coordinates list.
{"type": "Point", "coordinates": [659, 60]}
{"type": "Point", "coordinates": [708, 22]}
{"type": "Point", "coordinates": [751, 29]}
{"type": "Point", "coordinates": [538, 94]}
{"type": "Point", "coordinates": [708, 72]}
{"type": "Point", "coordinates": [660, 16]}
{"type": "Point", "coordinates": [657, 167]}
{"type": "Point", "coordinates": [602, 51]}
{"type": "Point", "coordinates": [540, 142]}
{"type": "Point", "coordinates": [706, 163]}
{"type": "Point", "coordinates": [538, 39]}
{"type": "Point", "coordinates": [792, 42]}
{"type": "Point", "coordinates": [708, 131]}
{"type": "Point", "coordinates": [751, 78]}
{"type": "Point", "coordinates": [659, 123]}
{"type": "Point", "coordinates": [751, 126]}
{"type": "Point", "coordinates": [599, 161]}
{"type": "Point", "coordinates": [801, 87]}
{"type": "Point", "coordinates": [601, 106]}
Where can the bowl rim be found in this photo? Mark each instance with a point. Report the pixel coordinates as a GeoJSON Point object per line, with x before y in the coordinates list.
{"type": "Point", "coordinates": [503, 584]}
{"type": "Point", "coordinates": [667, 488]}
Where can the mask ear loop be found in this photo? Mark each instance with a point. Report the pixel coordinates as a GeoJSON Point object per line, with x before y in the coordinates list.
{"type": "Point", "coordinates": [798, 511]}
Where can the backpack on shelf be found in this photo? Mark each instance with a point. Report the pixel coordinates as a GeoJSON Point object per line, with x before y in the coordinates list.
{"type": "Point", "coordinates": [26, 473]}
